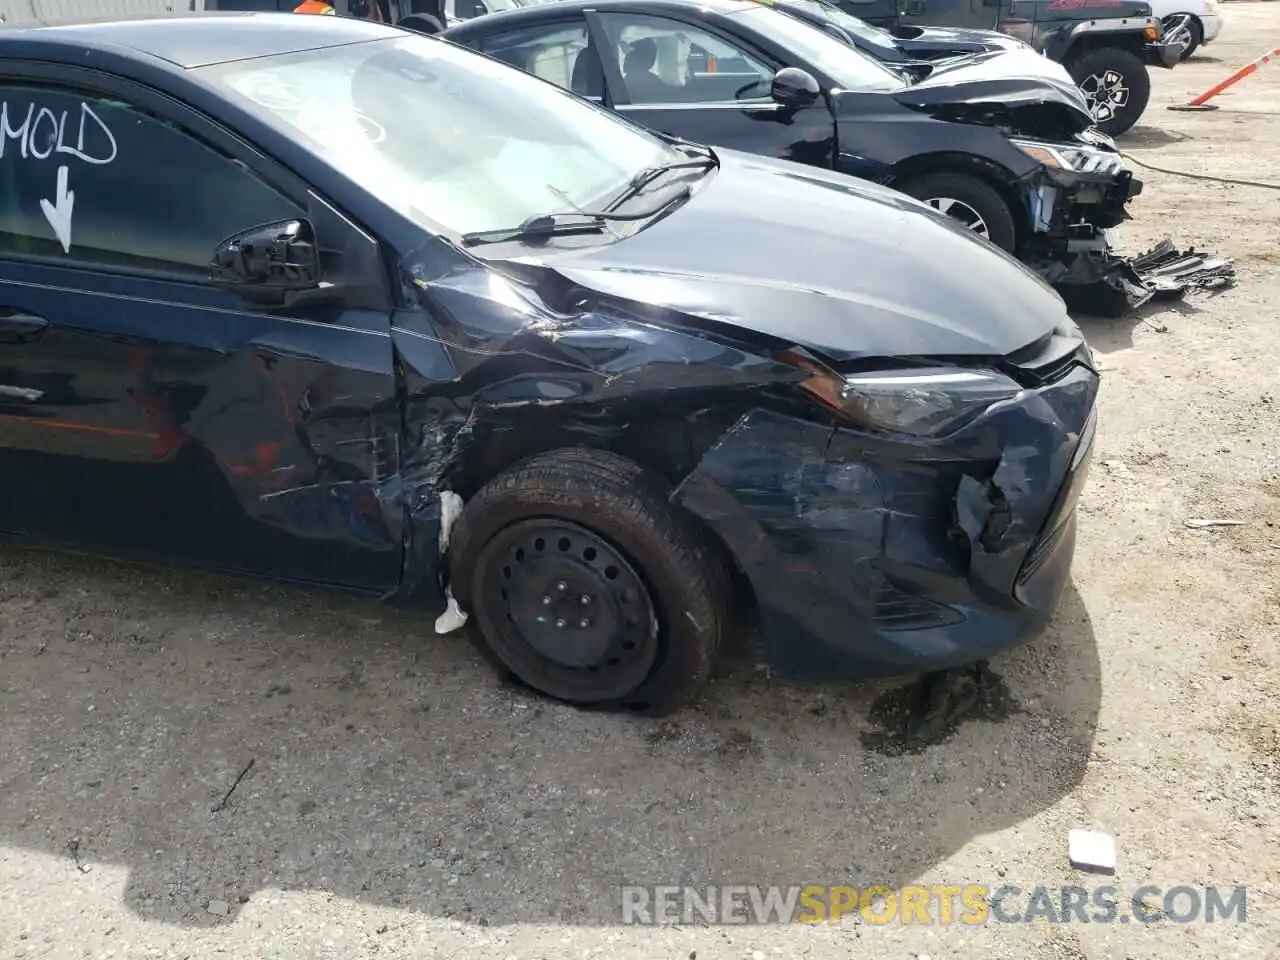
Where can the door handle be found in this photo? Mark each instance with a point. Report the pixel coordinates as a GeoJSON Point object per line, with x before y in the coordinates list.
{"type": "Point", "coordinates": [18, 326]}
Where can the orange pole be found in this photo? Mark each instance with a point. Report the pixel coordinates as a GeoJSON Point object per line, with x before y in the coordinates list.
{"type": "Point", "coordinates": [1235, 78]}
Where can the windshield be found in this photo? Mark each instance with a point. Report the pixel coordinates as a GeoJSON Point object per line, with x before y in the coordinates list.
{"type": "Point", "coordinates": [847, 66]}
{"type": "Point", "coordinates": [850, 24]}
{"type": "Point", "coordinates": [444, 136]}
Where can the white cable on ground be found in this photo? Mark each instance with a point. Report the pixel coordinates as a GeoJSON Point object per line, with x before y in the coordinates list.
{"type": "Point", "coordinates": [1201, 176]}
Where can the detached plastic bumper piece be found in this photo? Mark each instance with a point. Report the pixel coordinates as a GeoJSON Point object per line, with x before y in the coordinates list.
{"type": "Point", "coordinates": [1104, 285]}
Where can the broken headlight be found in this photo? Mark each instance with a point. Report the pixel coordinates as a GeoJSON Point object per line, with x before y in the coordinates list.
{"type": "Point", "coordinates": [925, 402]}
{"type": "Point", "coordinates": [1065, 156]}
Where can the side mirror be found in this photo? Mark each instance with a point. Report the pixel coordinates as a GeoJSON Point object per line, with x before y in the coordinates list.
{"type": "Point", "coordinates": [272, 259]}
{"type": "Point", "coordinates": [793, 87]}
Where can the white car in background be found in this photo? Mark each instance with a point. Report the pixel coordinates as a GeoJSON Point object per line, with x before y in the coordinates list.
{"type": "Point", "coordinates": [1189, 22]}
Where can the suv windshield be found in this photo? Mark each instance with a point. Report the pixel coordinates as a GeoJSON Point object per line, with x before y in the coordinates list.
{"type": "Point", "coordinates": [847, 66]}
{"type": "Point", "coordinates": [446, 137]}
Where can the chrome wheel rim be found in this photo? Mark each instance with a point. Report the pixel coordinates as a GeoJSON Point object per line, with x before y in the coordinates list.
{"type": "Point", "coordinates": [1177, 30]}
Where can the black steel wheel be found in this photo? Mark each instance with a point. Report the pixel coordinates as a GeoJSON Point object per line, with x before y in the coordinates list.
{"type": "Point", "coordinates": [1116, 86]}
{"type": "Point", "coordinates": [586, 584]}
{"type": "Point", "coordinates": [559, 597]}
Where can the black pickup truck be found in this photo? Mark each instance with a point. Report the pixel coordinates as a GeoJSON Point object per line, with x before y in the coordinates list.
{"type": "Point", "coordinates": [1106, 45]}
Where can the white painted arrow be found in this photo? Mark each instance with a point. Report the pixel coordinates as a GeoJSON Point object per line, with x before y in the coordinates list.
{"type": "Point", "coordinates": [58, 213]}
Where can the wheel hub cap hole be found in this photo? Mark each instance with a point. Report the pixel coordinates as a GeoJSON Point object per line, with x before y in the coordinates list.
{"type": "Point", "coordinates": [574, 600]}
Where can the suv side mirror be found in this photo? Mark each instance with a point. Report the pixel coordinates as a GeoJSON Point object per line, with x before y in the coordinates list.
{"type": "Point", "coordinates": [793, 87]}
{"type": "Point", "coordinates": [272, 259]}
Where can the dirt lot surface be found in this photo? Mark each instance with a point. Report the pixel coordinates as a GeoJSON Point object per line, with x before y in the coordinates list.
{"type": "Point", "coordinates": [402, 803]}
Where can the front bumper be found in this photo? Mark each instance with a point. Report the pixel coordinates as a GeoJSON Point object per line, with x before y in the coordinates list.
{"type": "Point", "coordinates": [872, 556]}
{"type": "Point", "coordinates": [1162, 54]}
{"type": "Point", "coordinates": [1093, 194]}
{"type": "Point", "coordinates": [1063, 200]}
{"type": "Point", "coordinates": [1211, 23]}
{"type": "Point", "coordinates": [1066, 241]}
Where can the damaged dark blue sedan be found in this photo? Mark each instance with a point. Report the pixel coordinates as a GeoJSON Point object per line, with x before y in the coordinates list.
{"type": "Point", "coordinates": [316, 299]}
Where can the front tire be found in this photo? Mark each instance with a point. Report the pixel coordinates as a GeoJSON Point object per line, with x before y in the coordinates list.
{"type": "Point", "coordinates": [1116, 86]}
{"type": "Point", "coordinates": [1189, 26]}
{"type": "Point", "coordinates": [587, 585]}
{"type": "Point", "coordinates": [971, 201]}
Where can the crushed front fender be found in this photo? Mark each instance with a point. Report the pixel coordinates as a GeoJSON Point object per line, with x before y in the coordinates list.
{"type": "Point", "coordinates": [497, 364]}
{"type": "Point", "coordinates": [875, 556]}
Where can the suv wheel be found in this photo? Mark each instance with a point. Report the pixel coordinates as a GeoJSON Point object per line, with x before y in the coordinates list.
{"type": "Point", "coordinates": [1116, 86]}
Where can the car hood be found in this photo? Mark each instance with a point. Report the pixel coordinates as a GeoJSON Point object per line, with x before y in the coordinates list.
{"type": "Point", "coordinates": [843, 267]}
{"type": "Point", "coordinates": [1000, 80]}
{"type": "Point", "coordinates": [961, 36]}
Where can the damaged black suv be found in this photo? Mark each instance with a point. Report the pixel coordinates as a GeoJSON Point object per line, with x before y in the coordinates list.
{"type": "Point", "coordinates": [1001, 141]}
{"type": "Point", "coordinates": [500, 353]}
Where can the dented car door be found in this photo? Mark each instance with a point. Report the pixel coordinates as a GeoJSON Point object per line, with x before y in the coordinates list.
{"type": "Point", "coordinates": [152, 404]}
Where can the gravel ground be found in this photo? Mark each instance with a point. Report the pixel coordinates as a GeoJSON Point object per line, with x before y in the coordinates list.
{"type": "Point", "coordinates": [402, 803]}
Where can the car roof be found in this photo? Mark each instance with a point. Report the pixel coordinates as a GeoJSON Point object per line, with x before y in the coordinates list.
{"type": "Point", "coordinates": [198, 39]}
{"type": "Point", "coordinates": [559, 7]}
{"type": "Point", "coordinates": [714, 6]}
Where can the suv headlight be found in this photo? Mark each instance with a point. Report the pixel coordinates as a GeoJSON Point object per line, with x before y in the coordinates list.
{"type": "Point", "coordinates": [1065, 156]}
{"type": "Point", "coordinates": [923, 402]}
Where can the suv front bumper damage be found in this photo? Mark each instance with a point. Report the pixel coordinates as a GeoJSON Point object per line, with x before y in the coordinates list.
{"type": "Point", "coordinates": [1067, 244]}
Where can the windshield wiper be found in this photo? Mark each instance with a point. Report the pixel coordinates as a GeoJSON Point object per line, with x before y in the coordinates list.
{"type": "Point", "coordinates": [543, 226]}
{"type": "Point", "coordinates": [538, 228]}
{"type": "Point", "coordinates": [649, 174]}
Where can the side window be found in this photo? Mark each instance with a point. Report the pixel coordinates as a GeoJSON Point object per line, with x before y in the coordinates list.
{"type": "Point", "coordinates": [99, 183]}
{"type": "Point", "coordinates": [668, 61]}
{"type": "Point", "coordinates": [559, 52]}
